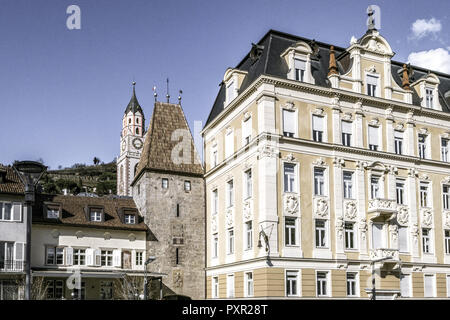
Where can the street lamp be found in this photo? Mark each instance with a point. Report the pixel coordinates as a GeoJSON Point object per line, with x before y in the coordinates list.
{"type": "Point", "coordinates": [373, 275]}
{"type": "Point", "coordinates": [29, 173]}
{"type": "Point", "coordinates": [149, 260]}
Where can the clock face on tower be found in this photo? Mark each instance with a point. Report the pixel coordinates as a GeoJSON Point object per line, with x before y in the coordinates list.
{"type": "Point", "coordinates": [137, 143]}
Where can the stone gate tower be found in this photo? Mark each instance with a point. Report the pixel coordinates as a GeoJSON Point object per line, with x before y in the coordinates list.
{"type": "Point", "coordinates": [169, 192]}
{"type": "Point", "coordinates": [131, 143]}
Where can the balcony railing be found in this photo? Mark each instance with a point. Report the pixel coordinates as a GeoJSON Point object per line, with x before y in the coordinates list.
{"type": "Point", "coordinates": [381, 253]}
{"type": "Point", "coordinates": [11, 266]}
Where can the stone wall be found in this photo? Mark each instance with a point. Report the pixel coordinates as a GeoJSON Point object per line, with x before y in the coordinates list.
{"type": "Point", "coordinates": [185, 232]}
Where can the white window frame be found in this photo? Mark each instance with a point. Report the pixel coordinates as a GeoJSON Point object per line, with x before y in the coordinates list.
{"type": "Point", "coordinates": [301, 76]}
{"type": "Point", "coordinates": [215, 245]}
{"type": "Point", "coordinates": [292, 176]}
{"type": "Point", "coordinates": [246, 131]}
{"type": "Point", "coordinates": [355, 281]}
{"type": "Point", "coordinates": [429, 97]}
{"type": "Point", "coordinates": [215, 201]}
{"type": "Point", "coordinates": [447, 241]}
{"type": "Point", "coordinates": [215, 287]}
{"type": "Point", "coordinates": [408, 278]}
{"type": "Point", "coordinates": [382, 235]}
{"type": "Point", "coordinates": [249, 289]}
{"type": "Point", "coordinates": [445, 150]}
{"type": "Point", "coordinates": [230, 286]}
{"type": "Point", "coordinates": [291, 276]}
{"type": "Point", "coordinates": [398, 142]}
{"type": "Point", "coordinates": [323, 234]}
{"type": "Point", "coordinates": [231, 90]}
{"type": "Point", "coordinates": [248, 235]}
{"type": "Point", "coordinates": [350, 233]}
{"type": "Point", "coordinates": [348, 184]}
{"type": "Point", "coordinates": [130, 219]}
{"type": "Point", "coordinates": [425, 199]}
{"type": "Point", "coordinates": [378, 193]}
{"type": "Point", "coordinates": [423, 147]}
{"type": "Point", "coordinates": [378, 85]}
{"type": "Point", "coordinates": [248, 184]}
{"type": "Point", "coordinates": [406, 230]}
{"type": "Point", "coordinates": [429, 243]}
{"type": "Point", "coordinates": [433, 277]}
{"type": "Point", "coordinates": [400, 191]}
{"type": "Point", "coordinates": [314, 129]}
{"type": "Point", "coordinates": [230, 241]}
{"type": "Point", "coordinates": [446, 196]}
{"type": "Point", "coordinates": [345, 134]}
{"type": "Point", "coordinates": [293, 242]}
{"type": "Point", "coordinates": [295, 122]}
{"type": "Point", "coordinates": [321, 182]}
{"type": "Point", "coordinates": [376, 147]}
{"type": "Point", "coordinates": [327, 283]}
{"type": "Point", "coordinates": [230, 193]}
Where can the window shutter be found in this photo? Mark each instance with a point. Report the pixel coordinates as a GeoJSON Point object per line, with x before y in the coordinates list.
{"type": "Point", "coordinates": [69, 256]}
{"type": "Point", "coordinates": [117, 258]}
{"type": "Point", "coordinates": [403, 239]}
{"type": "Point", "coordinates": [19, 251]}
{"type": "Point", "coordinates": [288, 121]}
{"type": "Point", "coordinates": [318, 123]}
{"type": "Point", "coordinates": [377, 233]}
{"type": "Point", "coordinates": [428, 286]}
{"type": "Point", "coordinates": [404, 285]}
{"type": "Point", "coordinates": [372, 80]}
{"type": "Point", "coordinates": [373, 135]}
{"type": "Point", "coordinates": [300, 64]}
{"type": "Point", "coordinates": [98, 257]}
{"type": "Point", "coordinates": [90, 257]}
{"type": "Point", "coordinates": [229, 144]}
{"type": "Point", "coordinates": [346, 127]}
{"type": "Point", "coordinates": [246, 128]}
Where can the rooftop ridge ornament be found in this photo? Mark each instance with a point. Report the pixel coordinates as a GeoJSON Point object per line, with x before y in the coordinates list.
{"type": "Point", "coordinates": [374, 18]}
{"type": "Point", "coordinates": [332, 69]}
{"type": "Point", "coordinates": [155, 94]}
{"type": "Point", "coordinates": [168, 95]}
{"type": "Point", "coordinates": [179, 96]}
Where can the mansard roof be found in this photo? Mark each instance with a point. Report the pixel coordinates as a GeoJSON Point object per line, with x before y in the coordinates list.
{"type": "Point", "coordinates": [168, 136]}
{"type": "Point", "coordinates": [269, 62]}
{"type": "Point", "coordinates": [134, 105]}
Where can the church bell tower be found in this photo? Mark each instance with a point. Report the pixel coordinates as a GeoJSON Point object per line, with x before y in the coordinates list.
{"type": "Point", "coordinates": [131, 143]}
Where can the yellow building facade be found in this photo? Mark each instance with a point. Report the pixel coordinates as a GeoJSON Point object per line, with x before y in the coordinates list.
{"type": "Point", "coordinates": [327, 167]}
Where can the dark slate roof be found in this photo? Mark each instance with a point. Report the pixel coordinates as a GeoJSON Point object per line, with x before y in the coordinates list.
{"type": "Point", "coordinates": [158, 144]}
{"type": "Point", "coordinates": [270, 63]}
{"type": "Point", "coordinates": [74, 214]}
{"type": "Point", "coordinates": [134, 105]}
{"type": "Point", "coordinates": [9, 181]}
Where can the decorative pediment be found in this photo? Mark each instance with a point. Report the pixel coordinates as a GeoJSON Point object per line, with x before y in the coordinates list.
{"type": "Point", "coordinates": [446, 135]}
{"type": "Point", "coordinates": [338, 162]}
{"type": "Point", "coordinates": [377, 166]}
{"type": "Point", "coordinates": [425, 177]}
{"type": "Point", "coordinates": [371, 69]}
{"type": "Point", "coordinates": [228, 130]}
{"type": "Point", "coordinates": [374, 42]}
{"type": "Point", "coordinates": [132, 237]}
{"type": "Point", "coordinates": [302, 47]}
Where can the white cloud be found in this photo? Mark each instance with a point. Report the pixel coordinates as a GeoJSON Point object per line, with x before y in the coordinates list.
{"type": "Point", "coordinates": [434, 59]}
{"type": "Point", "coordinates": [421, 27]}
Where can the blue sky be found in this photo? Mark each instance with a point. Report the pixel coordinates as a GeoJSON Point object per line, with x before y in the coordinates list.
{"type": "Point", "coordinates": [63, 92]}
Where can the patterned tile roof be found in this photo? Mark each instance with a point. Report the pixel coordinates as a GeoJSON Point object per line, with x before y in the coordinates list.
{"type": "Point", "coordinates": [167, 138]}
{"type": "Point", "coordinates": [10, 181]}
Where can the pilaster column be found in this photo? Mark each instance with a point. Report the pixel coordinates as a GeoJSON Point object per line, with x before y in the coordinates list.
{"type": "Point", "coordinates": [413, 220]}
{"type": "Point", "coordinates": [359, 125]}
{"type": "Point", "coordinates": [266, 109]}
{"type": "Point", "coordinates": [336, 120]}
{"type": "Point", "coordinates": [391, 180]}
{"type": "Point", "coordinates": [360, 189]}
{"type": "Point", "coordinates": [389, 131]}
{"type": "Point", "coordinates": [409, 132]}
{"type": "Point", "coordinates": [338, 208]}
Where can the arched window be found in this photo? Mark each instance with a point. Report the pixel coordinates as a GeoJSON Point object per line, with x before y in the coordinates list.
{"type": "Point", "coordinates": [137, 130]}
{"type": "Point", "coordinates": [129, 120]}
{"type": "Point", "coordinates": [137, 120]}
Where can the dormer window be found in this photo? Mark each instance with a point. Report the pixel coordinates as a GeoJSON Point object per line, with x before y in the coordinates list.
{"type": "Point", "coordinates": [300, 68]}
{"type": "Point", "coordinates": [130, 219]}
{"type": "Point", "coordinates": [429, 98]}
{"type": "Point", "coordinates": [95, 214]}
{"type": "Point", "coordinates": [52, 211]}
{"type": "Point", "coordinates": [231, 91]}
{"type": "Point", "coordinates": [372, 83]}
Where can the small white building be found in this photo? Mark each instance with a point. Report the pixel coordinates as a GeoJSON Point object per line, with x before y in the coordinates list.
{"type": "Point", "coordinates": [88, 248]}
{"type": "Point", "coordinates": [12, 235]}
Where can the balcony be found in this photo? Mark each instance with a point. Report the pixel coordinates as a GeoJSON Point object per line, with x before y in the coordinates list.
{"type": "Point", "coordinates": [382, 209]}
{"type": "Point", "coordinates": [381, 253]}
{"type": "Point", "coordinates": [11, 266]}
